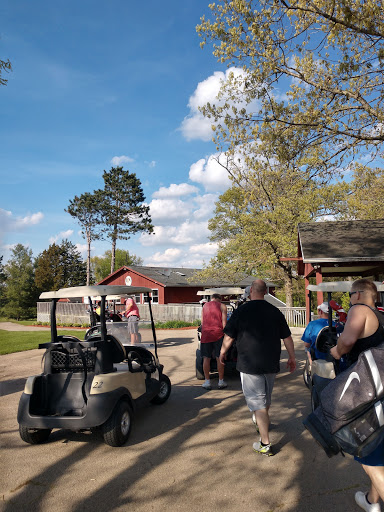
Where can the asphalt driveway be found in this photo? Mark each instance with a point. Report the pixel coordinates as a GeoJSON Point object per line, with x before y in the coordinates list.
{"type": "Point", "coordinates": [192, 453]}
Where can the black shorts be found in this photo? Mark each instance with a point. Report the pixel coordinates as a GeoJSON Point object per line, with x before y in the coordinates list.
{"type": "Point", "coordinates": [211, 349]}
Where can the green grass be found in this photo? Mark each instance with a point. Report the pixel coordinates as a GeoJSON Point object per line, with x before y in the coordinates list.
{"type": "Point", "coordinates": [176, 324]}
{"type": "Point", "coordinates": [18, 341]}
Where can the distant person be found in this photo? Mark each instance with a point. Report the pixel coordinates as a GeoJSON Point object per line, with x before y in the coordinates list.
{"type": "Point", "coordinates": [363, 330]}
{"type": "Point", "coordinates": [312, 330]}
{"type": "Point", "coordinates": [214, 318]}
{"type": "Point", "coordinates": [258, 328]}
{"type": "Point", "coordinates": [133, 317]}
{"type": "Point", "coordinates": [98, 311]}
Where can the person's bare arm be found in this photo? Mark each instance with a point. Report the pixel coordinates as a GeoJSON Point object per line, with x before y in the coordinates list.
{"type": "Point", "coordinates": [291, 363]}
{"type": "Point", "coordinates": [352, 331]}
{"type": "Point", "coordinates": [227, 343]}
{"type": "Point", "coordinates": [224, 314]}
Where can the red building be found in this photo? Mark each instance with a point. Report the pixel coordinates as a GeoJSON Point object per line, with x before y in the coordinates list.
{"type": "Point", "coordinates": [168, 285]}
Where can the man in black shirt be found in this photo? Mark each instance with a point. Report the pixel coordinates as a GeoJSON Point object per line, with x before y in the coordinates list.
{"type": "Point", "coordinates": [258, 328]}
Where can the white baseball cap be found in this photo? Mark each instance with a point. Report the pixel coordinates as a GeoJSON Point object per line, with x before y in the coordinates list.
{"type": "Point", "coordinates": [323, 307]}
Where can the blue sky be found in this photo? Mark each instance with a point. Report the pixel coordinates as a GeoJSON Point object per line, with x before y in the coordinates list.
{"type": "Point", "coordinates": [96, 84]}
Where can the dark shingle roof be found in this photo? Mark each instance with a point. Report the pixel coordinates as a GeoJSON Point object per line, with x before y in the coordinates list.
{"type": "Point", "coordinates": [358, 240]}
{"type": "Point", "coordinates": [170, 276]}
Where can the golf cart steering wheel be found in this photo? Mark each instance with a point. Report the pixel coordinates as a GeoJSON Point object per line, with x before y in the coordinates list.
{"type": "Point", "coordinates": [326, 339]}
{"type": "Point", "coordinates": [134, 357]}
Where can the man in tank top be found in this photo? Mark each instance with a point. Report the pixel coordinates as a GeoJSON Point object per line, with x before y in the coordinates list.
{"type": "Point", "coordinates": [362, 331]}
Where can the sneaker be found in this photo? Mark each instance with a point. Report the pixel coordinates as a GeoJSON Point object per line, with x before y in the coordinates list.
{"type": "Point", "coordinates": [263, 449]}
{"type": "Point", "coordinates": [361, 500]}
{"type": "Point", "coordinates": [207, 385]}
{"type": "Point", "coordinates": [222, 384]}
{"type": "Point", "coordinates": [254, 422]}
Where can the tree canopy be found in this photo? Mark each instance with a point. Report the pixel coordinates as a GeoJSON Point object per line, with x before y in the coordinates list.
{"type": "Point", "coordinates": [20, 293]}
{"type": "Point", "coordinates": [101, 265]}
{"type": "Point", "coordinates": [122, 208]}
{"type": "Point", "coordinates": [6, 66]}
{"type": "Point", "coordinates": [256, 220]}
{"type": "Point", "coordinates": [328, 56]}
{"type": "Point", "coordinates": [60, 266]}
{"type": "Point", "coordinates": [86, 210]}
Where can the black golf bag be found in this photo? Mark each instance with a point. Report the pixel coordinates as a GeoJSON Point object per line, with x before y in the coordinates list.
{"type": "Point", "coordinates": [350, 417]}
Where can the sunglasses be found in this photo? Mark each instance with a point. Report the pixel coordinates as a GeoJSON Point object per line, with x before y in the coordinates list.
{"type": "Point", "coordinates": [357, 291]}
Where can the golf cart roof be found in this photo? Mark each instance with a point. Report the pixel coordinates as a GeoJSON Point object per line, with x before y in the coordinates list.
{"type": "Point", "coordinates": [96, 290]}
{"type": "Point", "coordinates": [222, 291]}
{"type": "Point", "coordinates": [339, 286]}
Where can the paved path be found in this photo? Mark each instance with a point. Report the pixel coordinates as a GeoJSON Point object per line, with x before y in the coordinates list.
{"type": "Point", "coordinates": [192, 453]}
{"type": "Point", "coordinates": [11, 326]}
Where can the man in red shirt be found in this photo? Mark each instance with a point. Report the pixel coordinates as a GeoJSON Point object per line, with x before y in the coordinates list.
{"type": "Point", "coordinates": [214, 318]}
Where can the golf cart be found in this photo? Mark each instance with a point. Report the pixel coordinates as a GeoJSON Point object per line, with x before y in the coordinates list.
{"type": "Point", "coordinates": [234, 296]}
{"type": "Point", "coordinates": [318, 375]}
{"type": "Point", "coordinates": [95, 384]}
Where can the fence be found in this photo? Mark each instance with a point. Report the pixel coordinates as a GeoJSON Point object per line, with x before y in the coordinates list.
{"type": "Point", "coordinates": [77, 313]}
{"type": "Point", "coordinates": [295, 317]}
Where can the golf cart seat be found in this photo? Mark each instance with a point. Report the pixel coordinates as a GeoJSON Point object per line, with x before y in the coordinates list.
{"type": "Point", "coordinates": [69, 354]}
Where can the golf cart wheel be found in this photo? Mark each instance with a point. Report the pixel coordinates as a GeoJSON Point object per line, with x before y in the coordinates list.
{"type": "Point", "coordinates": [117, 428]}
{"type": "Point", "coordinates": [165, 391]}
{"type": "Point", "coordinates": [307, 374]}
{"type": "Point", "coordinates": [34, 435]}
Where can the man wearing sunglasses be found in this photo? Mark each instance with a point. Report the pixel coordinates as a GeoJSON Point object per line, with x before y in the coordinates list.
{"type": "Point", "coordinates": [364, 329]}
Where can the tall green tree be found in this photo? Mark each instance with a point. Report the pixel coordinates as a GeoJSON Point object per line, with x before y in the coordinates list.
{"type": "Point", "coordinates": [101, 265]}
{"type": "Point", "coordinates": [275, 186]}
{"type": "Point", "coordinates": [60, 266]}
{"type": "Point", "coordinates": [21, 293]}
{"type": "Point", "coordinates": [328, 56]}
{"type": "Point", "coordinates": [122, 208]}
{"type": "Point", "coordinates": [86, 210]}
{"type": "Point", "coordinates": [365, 193]}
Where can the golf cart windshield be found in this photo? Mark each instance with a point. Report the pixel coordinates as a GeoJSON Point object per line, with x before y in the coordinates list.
{"type": "Point", "coordinates": [102, 291]}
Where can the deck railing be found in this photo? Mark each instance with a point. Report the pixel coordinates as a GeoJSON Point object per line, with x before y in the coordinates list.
{"type": "Point", "coordinates": [77, 313]}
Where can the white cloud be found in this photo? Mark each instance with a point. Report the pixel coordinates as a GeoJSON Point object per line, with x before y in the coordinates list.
{"type": "Point", "coordinates": [206, 205]}
{"type": "Point", "coordinates": [83, 248]}
{"type": "Point", "coordinates": [195, 125]}
{"type": "Point", "coordinates": [208, 249]}
{"type": "Point", "coordinates": [210, 174]}
{"type": "Point", "coordinates": [174, 190]}
{"type": "Point", "coordinates": [168, 257]}
{"type": "Point", "coordinates": [61, 236]}
{"type": "Point", "coordinates": [166, 210]}
{"type": "Point", "coordinates": [123, 159]}
{"type": "Point", "coordinates": [186, 233]}
{"type": "Point", "coordinates": [9, 222]}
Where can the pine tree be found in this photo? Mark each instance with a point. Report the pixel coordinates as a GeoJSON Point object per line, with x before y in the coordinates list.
{"type": "Point", "coordinates": [60, 266]}
{"type": "Point", "coordinates": [122, 208]}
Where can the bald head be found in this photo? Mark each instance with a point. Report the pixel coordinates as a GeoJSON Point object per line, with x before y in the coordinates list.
{"type": "Point", "coordinates": [258, 289]}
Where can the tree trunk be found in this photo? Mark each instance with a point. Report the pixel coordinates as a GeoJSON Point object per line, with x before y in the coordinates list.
{"type": "Point", "coordinates": [288, 286]}
{"type": "Point", "coordinates": [113, 255]}
{"type": "Point", "coordinates": [88, 259]}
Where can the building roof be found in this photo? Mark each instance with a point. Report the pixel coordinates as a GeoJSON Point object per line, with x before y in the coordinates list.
{"type": "Point", "coordinates": [179, 277]}
{"type": "Point", "coordinates": [343, 247]}
{"type": "Point", "coordinates": [358, 240]}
